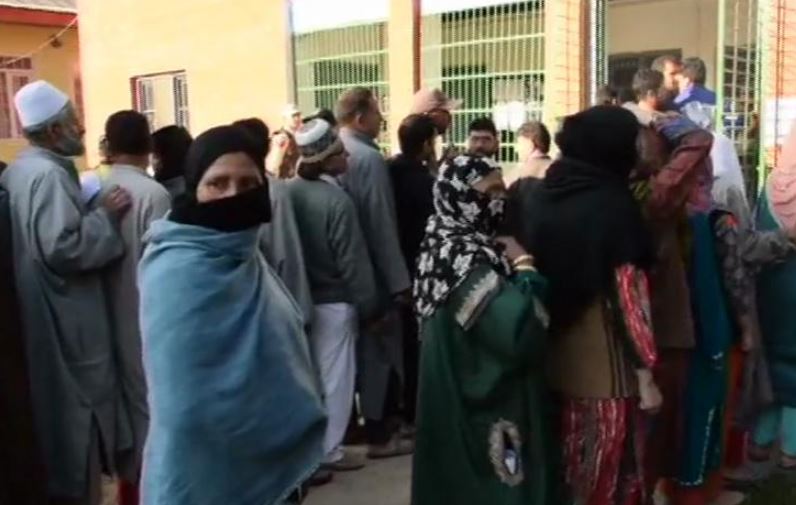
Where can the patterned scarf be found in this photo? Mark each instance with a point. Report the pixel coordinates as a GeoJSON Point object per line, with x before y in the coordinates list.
{"type": "Point", "coordinates": [782, 184]}
{"type": "Point", "coordinates": [460, 235]}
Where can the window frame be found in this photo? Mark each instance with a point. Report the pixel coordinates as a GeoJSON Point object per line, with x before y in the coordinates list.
{"type": "Point", "coordinates": [11, 72]}
{"type": "Point", "coordinates": [144, 86]}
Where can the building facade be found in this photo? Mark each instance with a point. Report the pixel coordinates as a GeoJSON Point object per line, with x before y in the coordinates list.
{"type": "Point", "coordinates": [38, 40]}
{"type": "Point", "coordinates": [214, 62]}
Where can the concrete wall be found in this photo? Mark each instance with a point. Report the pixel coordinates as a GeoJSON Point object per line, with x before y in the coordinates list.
{"type": "Point", "coordinates": [689, 25]}
{"type": "Point", "coordinates": [60, 66]}
{"type": "Point", "coordinates": [235, 56]}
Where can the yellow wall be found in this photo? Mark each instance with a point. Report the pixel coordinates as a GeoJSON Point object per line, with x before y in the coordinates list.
{"type": "Point", "coordinates": [401, 65]}
{"type": "Point", "coordinates": [235, 55]}
{"type": "Point", "coordinates": [58, 66]}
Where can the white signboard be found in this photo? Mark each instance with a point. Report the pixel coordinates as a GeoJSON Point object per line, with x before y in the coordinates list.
{"type": "Point", "coordinates": [780, 115]}
{"type": "Point", "coordinates": [440, 6]}
{"type": "Point", "coordinates": [314, 15]}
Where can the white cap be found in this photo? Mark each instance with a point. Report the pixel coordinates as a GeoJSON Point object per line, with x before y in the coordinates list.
{"type": "Point", "coordinates": [290, 110]}
{"type": "Point", "coordinates": [39, 101]}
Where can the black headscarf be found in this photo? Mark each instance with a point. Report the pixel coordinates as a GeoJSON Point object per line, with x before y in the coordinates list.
{"type": "Point", "coordinates": [171, 145]}
{"type": "Point", "coordinates": [460, 235]}
{"type": "Point", "coordinates": [236, 213]}
{"type": "Point", "coordinates": [582, 221]}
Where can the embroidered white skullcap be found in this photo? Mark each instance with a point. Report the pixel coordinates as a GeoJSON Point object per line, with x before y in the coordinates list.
{"type": "Point", "coordinates": [317, 140]}
{"type": "Point", "coordinates": [39, 101]}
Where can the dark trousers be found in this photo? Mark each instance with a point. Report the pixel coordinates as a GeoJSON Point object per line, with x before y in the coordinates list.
{"type": "Point", "coordinates": [411, 340]}
{"type": "Point", "coordinates": [379, 432]}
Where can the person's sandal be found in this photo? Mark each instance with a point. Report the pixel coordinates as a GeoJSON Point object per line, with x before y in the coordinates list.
{"type": "Point", "coordinates": [786, 463]}
{"type": "Point", "coordinates": [321, 477]}
{"type": "Point", "coordinates": [349, 463]}
{"type": "Point", "coordinates": [759, 454]}
{"type": "Point", "coordinates": [394, 448]}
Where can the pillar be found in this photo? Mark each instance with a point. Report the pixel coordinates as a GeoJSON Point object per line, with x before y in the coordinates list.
{"type": "Point", "coordinates": [403, 61]}
{"type": "Point", "coordinates": [566, 58]}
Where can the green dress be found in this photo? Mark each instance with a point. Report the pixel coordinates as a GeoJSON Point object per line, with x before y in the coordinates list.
{"type": "Point", "coordinates": [482, 436]}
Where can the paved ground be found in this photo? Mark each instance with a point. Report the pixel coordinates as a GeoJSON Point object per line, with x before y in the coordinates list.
{"type": "Point", "coordinates": [383, 482]}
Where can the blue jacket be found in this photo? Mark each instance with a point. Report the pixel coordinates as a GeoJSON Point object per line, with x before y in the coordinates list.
{"type": "Point", "coordinates": [695, 93]}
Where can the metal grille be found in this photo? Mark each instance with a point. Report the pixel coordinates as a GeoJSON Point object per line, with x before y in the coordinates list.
{"type": "Point", "coordinates": [738, 86]}
{"type": "Point", "coordinates": [163, 99]}
{"type": "Point", "coordinates": [331, 61]}
{"type": "Point", "coordinates": [181, 113]}
{"type": "Point", "coordinates": [145, 100]}
{"type": "Point", "coordinates": [598, 62]}
{"type": "Point", "coordinates": [490, 57]}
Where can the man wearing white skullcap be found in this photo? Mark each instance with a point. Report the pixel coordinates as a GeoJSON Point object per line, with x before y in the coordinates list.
{"type": "Point", "coordinates": [340, 273]}
{"type": "Point", "coordinates": [59, 249]}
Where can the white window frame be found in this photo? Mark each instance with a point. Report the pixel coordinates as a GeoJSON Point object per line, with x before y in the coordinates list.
{"type": "Point", "coordinates": [144, 88]}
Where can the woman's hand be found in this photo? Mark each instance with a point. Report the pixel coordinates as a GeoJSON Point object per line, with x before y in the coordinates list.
{"type": "Point", "coordinates": [651, 397]}
{"type": "Point", "coordinates": [513, 249]}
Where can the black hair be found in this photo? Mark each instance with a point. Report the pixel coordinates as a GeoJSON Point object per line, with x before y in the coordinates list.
{"type": "Point", "coordinates": [694, 69]}
{"type": "Point", "coordinates": [170, 144]}
{"type": "Point", "coordinates": [625, 94]}
{"type": "Point", "coordinates": [414, 132]}
{"type": "Point", "coordinates": [606, 95]}
{"type": "Point", "coordinates": [604, 136]}
{"type": "Point", "coordinates": [325, 114]}
{"type": "Point", "coordinates": [647, 81]}
{"type": "Point", "coordinates": [127, 132]}
{"type": "Point", "coordinates": [483, 124]}
{"type": "Point", "coordinates": [258, 131]}
{"type": "Point", "coordinates": [538, 133]}
{"type": "Point", "coordinates": [660, 62]}
{"type": "Point", "coordinates": [354, 102]}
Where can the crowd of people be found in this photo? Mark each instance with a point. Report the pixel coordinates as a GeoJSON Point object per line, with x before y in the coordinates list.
{"type": "Point", "coordinates": [212, 320]}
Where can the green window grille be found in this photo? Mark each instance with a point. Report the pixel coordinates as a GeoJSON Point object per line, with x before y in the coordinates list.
{"type": "Point", "coordinates": [492, 58]}
{"type": "Point", "coordinates": [330, 61]}
{"type": "Point", "coordinates": [739, 85]}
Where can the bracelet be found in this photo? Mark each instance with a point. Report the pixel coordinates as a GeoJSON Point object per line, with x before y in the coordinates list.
{"type": "Point", "coordinates": [525, 258]}
{"type": "Point", "coordinates": [524, 268]}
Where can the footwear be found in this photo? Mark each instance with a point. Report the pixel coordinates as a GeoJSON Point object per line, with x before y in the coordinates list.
{"type": "Point", "coordinates": [407, 431]}
{"type": "Point", "coordinates": [349, 463]}
{"type": "Point", "coordinates": [759, 453]}
{"type": "Point", "coordinates": [395, 447]}
{"type": "Point", "coordinates": [750, 474]}
{"type": "Point", "coordinates": [321, 477]}
{"type": "Point", "coordinates": [786, 464]}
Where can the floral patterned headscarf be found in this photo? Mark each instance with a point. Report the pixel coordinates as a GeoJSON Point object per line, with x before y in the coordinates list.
{"type": "Point", "coordinates": [460, 235]}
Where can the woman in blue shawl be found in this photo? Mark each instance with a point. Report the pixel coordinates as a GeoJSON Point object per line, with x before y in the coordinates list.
{"type": "Point", "coordinates": [236, 414]}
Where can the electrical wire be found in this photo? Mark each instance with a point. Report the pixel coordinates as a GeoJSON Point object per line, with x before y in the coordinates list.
{"type": "Point", "coordinates": [41, 47]}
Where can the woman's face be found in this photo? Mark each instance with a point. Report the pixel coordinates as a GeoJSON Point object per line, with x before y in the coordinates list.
{"type": "Point", "coordinates": [230, 175]}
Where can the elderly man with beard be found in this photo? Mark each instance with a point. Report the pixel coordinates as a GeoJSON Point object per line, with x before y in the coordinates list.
{"type": "Point", "coordinates": [60, 248]}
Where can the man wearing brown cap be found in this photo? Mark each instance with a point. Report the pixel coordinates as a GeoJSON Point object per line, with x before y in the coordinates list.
{"type": "Point", "coordinates": [438, 106]}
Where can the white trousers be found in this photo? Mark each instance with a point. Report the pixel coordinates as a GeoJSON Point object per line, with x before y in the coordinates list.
{"type": "Point", "coordinates": [335, 327]}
